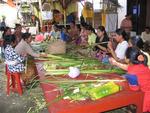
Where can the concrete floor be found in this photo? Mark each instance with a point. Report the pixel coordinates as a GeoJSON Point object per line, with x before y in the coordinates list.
{"type": "Point", "coordinates": [15, 103]}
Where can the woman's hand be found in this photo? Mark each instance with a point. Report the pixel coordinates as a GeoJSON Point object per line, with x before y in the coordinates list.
{"type": "Point", "coordinates": [112, 61]}
{"type": "Point", "coordinates": [118, 64]}
{"type": "Point", "coordinates": [110, 45]}
{"type": "Point", "coordinates": [24, 54]}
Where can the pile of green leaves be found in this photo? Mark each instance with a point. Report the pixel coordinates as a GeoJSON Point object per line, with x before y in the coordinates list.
{"type": "Point", "coordinates": [59, 65]}
{"type": "Point", "coordinates": [77, 90]}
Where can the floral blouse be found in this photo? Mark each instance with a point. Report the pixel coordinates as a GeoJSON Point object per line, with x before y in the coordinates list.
{"type": "Point", "coordinates": [12, 56]}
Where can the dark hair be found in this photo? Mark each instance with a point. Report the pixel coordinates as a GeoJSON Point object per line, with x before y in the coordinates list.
{"type": "Point", "coordinates": [147, 27]}
{"type": "Point", "coordinates": [137, 41]}
{"type": "Point", "coordinates": [102, 28]}
{"type": "Point", "coordinates": [78, 27]}
{"type": "Point", "coordinates": [123, 33]}
{"type": "Point", "coordinates": [132, 53]}
{"type": "Point", "coordinates": [46, 28]}
{"type": "Point", "coordinates": [55, 11]}
{"type": "Point", "coordinates": [2, 28]}
{"type": "Point", "coordinates": [56, 25]}
{"type": "Point", "coordinates": [64, 28]}
{"type": "Point", "coordinates": [26, 35]}
{"type": "Point", "coordinates": [73, 22]}
{"type": "Point", "coordinates": [8, 39]}
{"type": "Point", "coordinates": [90, 28]}
{"type": "Point", "coordinates": [17, 25]}
{"type": "Point", "coordinates": [84, 24]}
{"type": "Point", "coordinates": [128, 14]}
{"type": "Point", "coordinates": [5, 30]}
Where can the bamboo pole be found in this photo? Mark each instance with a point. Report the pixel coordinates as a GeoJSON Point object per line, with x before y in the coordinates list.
{"type": "Point", "coordinates": [81, 81]}
{"type": "Point", "coordinates": [65, 17]}
{"type": "Point", "coordinates": [40, 16]}
{"type": "Point", "coordinates": [93, 14]}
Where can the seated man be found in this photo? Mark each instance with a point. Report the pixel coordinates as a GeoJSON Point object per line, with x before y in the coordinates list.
{"type": "Point", "coordinates": [146, 37]}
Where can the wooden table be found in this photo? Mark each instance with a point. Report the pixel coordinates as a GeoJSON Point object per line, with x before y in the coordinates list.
{"type": "Point", "coordinates": [123, 98]}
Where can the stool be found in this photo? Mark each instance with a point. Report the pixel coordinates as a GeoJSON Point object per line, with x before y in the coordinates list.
{"type": "Point", "coordinates": [13, 80]}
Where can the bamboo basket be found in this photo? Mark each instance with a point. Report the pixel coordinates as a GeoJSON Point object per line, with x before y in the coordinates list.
{"type": "Point", "coordinates": [57, 47]}
{"type": "Point", "coordinates": [31, 72]}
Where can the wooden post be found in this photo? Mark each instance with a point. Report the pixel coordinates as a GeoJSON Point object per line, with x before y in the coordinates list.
{"type": "Point", "coordinates": [93, 14]}
{"type": "Point", "coordinates": [40, 16]}
{"type": "Point", "coordinates": [65, 17]}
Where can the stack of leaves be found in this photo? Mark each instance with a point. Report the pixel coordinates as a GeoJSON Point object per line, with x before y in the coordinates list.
{"type": "Point", "coordinates": [74, 89]}
{"type": "Point", "coordinates": [93, 89]}
{"type": "Point", "coordinates": [59, 65]}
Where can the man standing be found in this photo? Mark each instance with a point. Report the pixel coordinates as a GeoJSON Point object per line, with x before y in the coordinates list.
{"type": "Point", "coordinates": [146, 35]}
{"type": "Point", "coordinates": [126, 24]}
{"type": "Point", "coordinates": [146, 38]}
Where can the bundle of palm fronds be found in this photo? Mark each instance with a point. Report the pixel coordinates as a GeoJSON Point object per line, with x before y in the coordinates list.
{"type": "Point", "coordinates": [78, 90]}
{"type": "Point", "coordinates": [75, 89]}
{"type": "Point", "coordinates": [59, 65]}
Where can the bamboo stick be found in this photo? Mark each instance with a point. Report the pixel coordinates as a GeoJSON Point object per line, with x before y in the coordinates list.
{"type": "Point", "coordinates": [82, 81]}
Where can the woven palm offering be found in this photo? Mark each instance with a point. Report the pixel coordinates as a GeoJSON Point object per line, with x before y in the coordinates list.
{"type": "Point", "coordinates": [57, 47]}
{"type": "Point", "coordinates": [30, 73]}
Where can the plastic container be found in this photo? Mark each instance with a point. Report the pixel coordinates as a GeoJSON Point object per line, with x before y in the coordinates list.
{"type": "Point", "coordinates": [104, 90]}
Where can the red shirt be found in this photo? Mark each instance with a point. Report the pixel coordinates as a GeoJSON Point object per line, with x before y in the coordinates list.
{"type": "Point", "coordinates": [143, 74]}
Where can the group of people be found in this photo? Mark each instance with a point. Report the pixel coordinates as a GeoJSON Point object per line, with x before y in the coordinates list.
{"type": "Point", "coordinates": [123, 51]}
{"type": "Point", "coordinates": [16, 49]}
{"type": "Point", "coordinates": [61, 32]}
{"type": "Point", "coordinates": [128, 55]}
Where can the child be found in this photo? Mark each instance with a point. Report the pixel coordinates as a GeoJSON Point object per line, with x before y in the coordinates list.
{"type": "Point", "coordinates": [91, 35]}
{"type": "Point", "coordinates": [136, 41]}
{"type": "Point", "coordinates": [137, 65]}
{"type": "Point", "coordinates": [64, 35]}
{"type": "Point", "coordinates": [14, 61]}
